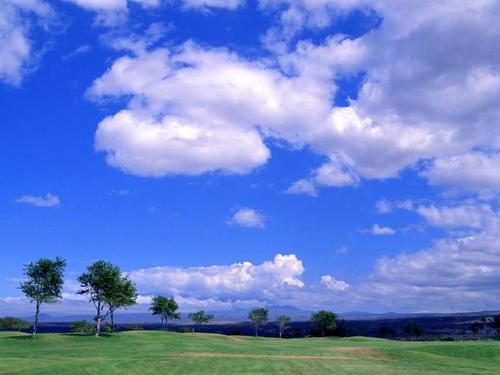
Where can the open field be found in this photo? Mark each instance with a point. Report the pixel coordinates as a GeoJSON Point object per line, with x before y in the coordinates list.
{"type": "Point", "coordinates": [173, 353]}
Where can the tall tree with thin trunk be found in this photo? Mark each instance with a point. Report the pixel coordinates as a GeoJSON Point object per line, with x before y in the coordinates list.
{"type": "Point", "coordinates": [166, 308]}
{"type": "Point", "coordinates": [45, 279]}
{"type": "Point", "coordinates": [199, 318]}
{"type": "Point", "coordinates": [121, 294]}
{"type": "Point", "coordinates": [282, 321]}
{"type": "Point", "coordinates": [97, 283]}
{"type": "Point", "coordinates": [258, 317]}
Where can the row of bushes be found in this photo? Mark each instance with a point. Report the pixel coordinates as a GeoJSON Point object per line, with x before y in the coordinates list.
{"type": "Point", "coordinates": [13, 324]}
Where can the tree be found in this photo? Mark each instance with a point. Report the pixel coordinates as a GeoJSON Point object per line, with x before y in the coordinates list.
{"type": "Point", "coordinates": [13, 324]}
{"type": "Point", "coordinates": [98, 283]}
{"type": "Point", "coordinates": [282, 321]}
{"type": "Point", "coordinates": [45, 279]}
{"type": "Point", "coordinates": [166, 308]}
{"type": "Point", "coordinates": [477, 327]}
{"type": "Point", "coordinates": [200, 318]}
{"type": "Point", "coordinates": [120, 294]}
{"type": "Point", "coordinates": [258, 317]}
{"type": "Point", "coordinates": [325, 321]}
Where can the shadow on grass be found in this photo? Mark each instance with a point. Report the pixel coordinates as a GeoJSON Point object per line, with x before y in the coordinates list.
{"type": "Point", "coordinates": [22, 337]}
{"type": "Point", "coordinates": [76, 334]}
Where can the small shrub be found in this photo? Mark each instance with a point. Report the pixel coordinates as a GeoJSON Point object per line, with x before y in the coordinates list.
{"type": "Point", "coordinates": [107, 328]}
{"type": "Point", "coordinates": [82, 326]}
{"type": "Point", "coordinates": [185, 330]}
{"type": "Point", "coordinates": [133, 327]}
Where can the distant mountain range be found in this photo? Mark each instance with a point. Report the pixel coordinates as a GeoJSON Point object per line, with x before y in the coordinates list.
{"type": "Point", "coordinates": [240, 314]}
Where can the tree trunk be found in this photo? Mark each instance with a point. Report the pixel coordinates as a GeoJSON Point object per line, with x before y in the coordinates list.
{"type": "Point", "coordinates": [162, 319]}
{"type": "Point", "coordinates": [166, 324]}
{"type": "Point", "coordinates": [98, 325]}
{"type": "Point", "coordinates": [112, 317]}
{"type": "Point", "coordinates": [281, 331]}
{"type": "Point", "coordinates": [256, 331]}
{"type": "Point", "coordinates": [35, 324]}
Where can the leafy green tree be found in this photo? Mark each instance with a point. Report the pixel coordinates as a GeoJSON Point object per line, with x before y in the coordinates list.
{"type": "Point", "coordinates": [45, 279]}
{"type": "Point", "coordinates": [121, 294]}
{"type": "Point", "coordinates": [324, 321]}
{"type": "Point", "coordinates": [166, 308]}
{"type": "Point", "coordinates": [258, 317]}
{"type": "Point", "coordinates": [199, 318]}
{"type": "Point", "coordinates": [13, 324]}
{"type": "Point", "coordinates": [97, 284]}
{"type": "Point", "coordinates": [283, 322]}
{"type": "Point", "coordinates": [82, 326]}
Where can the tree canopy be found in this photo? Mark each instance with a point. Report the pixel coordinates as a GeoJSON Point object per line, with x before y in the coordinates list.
{"type": "Point", "coordinates": [165, 307]}
{"type": "Point", "coordinates": [200, 318]}
{"type": "Point", "coordinates": [98, 283]}
{"type": "Point", "coordinates": [324, 321]}
{"type": "Point", "coordinates": [258, 317]}
{"type": "Point", "coordinates": [44, 282]}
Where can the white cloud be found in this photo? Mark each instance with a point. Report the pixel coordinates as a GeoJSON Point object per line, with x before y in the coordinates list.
{"type": "Point", "coordinates": [225, 4]}
{"type": "Point", "coordinates": [146, 146]}
{"type": "Point", "coordinates": [458, 216]}
{"type": "Point", "coordinates": [235, 281]}
{"type": "Point", "coordinates": [101, 4]}
{"type": "Point", "coordinates": [112, 12]}
{"type": "Point", "coordinates": [302, 186]}
{"type": "Point", "coordinates": [383, 206]}
{"type": "Point", "coordinates": [49, 200]}
{"type": "Point", "coordinates": [378, 230]}
{"type": "Point", "coordinates": [411, 105]}
{"type": "Point", "coordinates": [472, 171]}
{"type": "Point", "coordinates": [248, 217]}
{"type": "Point", "coordinates": [454, 275]}
{"type": "Point", "coordinates": [469, 214]}
{"type": "Point", "coordinates": [330, 283]}
{"type": "Point", "coordinates": [17, 20]}
{"type": "Point", "coordinates": [428, 91]}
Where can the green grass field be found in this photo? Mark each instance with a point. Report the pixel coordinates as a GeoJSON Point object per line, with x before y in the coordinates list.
{"type": "Point", "coordinates": [174, 353]}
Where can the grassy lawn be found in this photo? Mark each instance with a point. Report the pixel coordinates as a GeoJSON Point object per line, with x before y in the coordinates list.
{"type": "Point", "coordinates": [174, 353]}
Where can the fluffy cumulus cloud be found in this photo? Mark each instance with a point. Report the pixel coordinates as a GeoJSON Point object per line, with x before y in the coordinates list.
{"type": "Point", "coordinates": [274, 282]}
{"type": "Point", "coordinates": [239, 280]}
{"type": "Point", "coordinates": [471, 172]}
{"type": "Point", "coordinates": [456, 274]}
{"type": "Point", "coordinates": [47, 201]}
{"type": "Point", "coordinates": [332, 284]}
{"type": "Point", "coordinates": [459, 272]}
{"type": "Point", "coordinates": [247, 217]}
{"type": "Point", "coordinates": [429, 90]}
{"type": "Point", "coordinates": [422, 99]}
{"type": "Point", "coordinates": [18, 19]}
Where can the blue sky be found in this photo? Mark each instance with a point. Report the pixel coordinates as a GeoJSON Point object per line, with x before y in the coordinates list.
{"type": "Point", "coordinates": [324, 154]}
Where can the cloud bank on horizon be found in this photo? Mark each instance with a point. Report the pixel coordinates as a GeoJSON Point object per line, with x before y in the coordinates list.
{"type": "Point", "coordinates": [425, 102]}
